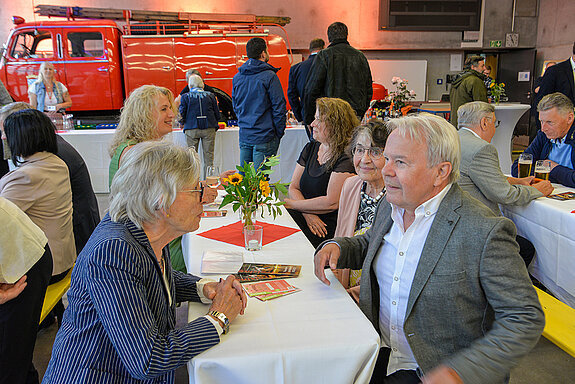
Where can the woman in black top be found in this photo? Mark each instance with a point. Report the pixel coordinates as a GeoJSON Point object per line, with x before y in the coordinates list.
{"type": "Point", "coordinates": [321, 169]}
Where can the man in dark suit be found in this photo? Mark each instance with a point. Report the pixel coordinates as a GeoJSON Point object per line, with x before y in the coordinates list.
{"type": "Point", "coordinates": [557, 78]}
{"type": "Point", "coordinates": [443, 282]}
{"type": "Point", "coordinates": [297, 78]}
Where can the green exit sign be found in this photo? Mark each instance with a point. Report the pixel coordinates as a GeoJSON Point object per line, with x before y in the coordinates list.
{"type": "Point", "coordinates": [495, 44]}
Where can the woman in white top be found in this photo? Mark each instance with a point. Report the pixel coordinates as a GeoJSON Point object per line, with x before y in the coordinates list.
{"type": "Point", "coordinates": [47, 94]}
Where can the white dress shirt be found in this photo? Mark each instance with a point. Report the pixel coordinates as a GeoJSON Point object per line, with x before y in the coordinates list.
{"type": "Point", "coordinates": [395, 265]}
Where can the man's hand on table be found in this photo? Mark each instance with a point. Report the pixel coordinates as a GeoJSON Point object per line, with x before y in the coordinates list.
{"type": "Point", "coordinates": [442, 375]}
{"type": "Point", "coordinates": [229, 298]}
{"type": "Point", "coordinates": [552, 164]}
{"type": "Point", "coordinates": [543, 186]}
{"type": "Point", "coordinates": [327, 256]}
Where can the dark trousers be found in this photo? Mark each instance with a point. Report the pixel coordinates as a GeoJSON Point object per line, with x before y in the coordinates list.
{"type": "Point", "coordinates": [379, 375]}
{"type": "Point", "coordinates": [302, 224]}
{"type": "Point", "coordinates": [19, 324]}
{"type": "Point", "coordinates": [526, 250]}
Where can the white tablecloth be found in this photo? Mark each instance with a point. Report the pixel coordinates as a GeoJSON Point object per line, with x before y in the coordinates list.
{"type": "Point", "coordinates": [549, 225]}
{"type": "Point", "coordinates": [93, 146]}
{"type": "Point", "coordinates": [317, 335]}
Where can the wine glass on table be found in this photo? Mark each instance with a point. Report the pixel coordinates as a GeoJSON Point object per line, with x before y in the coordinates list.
{"type": "Point", "coordinates": [213, 176]}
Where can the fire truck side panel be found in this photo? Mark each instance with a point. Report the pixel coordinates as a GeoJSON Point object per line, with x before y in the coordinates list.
{"type": "Point", "coordinates": [148, 60]}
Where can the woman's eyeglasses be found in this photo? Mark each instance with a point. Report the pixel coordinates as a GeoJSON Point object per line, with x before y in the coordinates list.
{"type": "Point", "coordinates": [374, 152]}
{"type": "Point", "coordinates": [201, 190]}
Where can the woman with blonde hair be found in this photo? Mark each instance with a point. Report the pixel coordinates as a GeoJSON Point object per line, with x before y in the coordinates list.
{"type": "Point", "coordinates": [46, 93]}
{"type": "Point", "coordinates": [321, 170]}
{"type": "Point", "coordinates": [147, 114]}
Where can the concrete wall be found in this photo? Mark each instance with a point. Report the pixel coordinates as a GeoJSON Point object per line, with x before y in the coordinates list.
{"type": "Point", "coordinates": [555, 30]}
{"type": "Point", "coordinates": [311, 18]}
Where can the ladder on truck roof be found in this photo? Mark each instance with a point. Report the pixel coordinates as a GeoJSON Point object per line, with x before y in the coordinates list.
{"type": "Point", "coordinates": [147, 16]}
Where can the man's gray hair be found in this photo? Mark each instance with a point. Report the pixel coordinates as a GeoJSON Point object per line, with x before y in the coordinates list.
{"type": "Point", "coordinates": [192, 71]}
{"type": "Point", "coordinates": [469, 115]}
{"type": "Point", "coordinates": [439, 135]}
{"type": "Point", "coordinates": [555, 100]}
{"type": "Point", "coordinates": [149, 178]}
{"type": "Point", "coordinates": [195, 81]}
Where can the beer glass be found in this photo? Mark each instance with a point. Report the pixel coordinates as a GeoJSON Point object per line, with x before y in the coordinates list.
{"type": "Point", "coordinates": [524, 164]}
{"type": "Point", "coordinates": [542, 169]}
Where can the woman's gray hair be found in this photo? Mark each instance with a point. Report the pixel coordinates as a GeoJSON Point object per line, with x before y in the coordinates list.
{"type": "Point", "coordinates": [375, 131]}
{"type": "Point", "coordinates": [149, 178]}
{"type": "Point", "coordinates": [555, 100]}
{"type": "Point", "coordinates": [439, 135]}
{"type": "Point", "coordinates": [469, 115]}
{"type": "Point", "coordinates": [195, 81]}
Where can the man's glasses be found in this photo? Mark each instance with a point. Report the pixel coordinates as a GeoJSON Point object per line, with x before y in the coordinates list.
{"type": "Point", "coordinates": [201, 190]}
{"type": "Point", "coordinates": [374, 152]}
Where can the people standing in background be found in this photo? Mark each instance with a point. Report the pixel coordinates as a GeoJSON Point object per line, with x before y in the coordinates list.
{"type": "Point", "coordinates": [298, 74]}
{"type": "Point", "coordinates": [186, 89]}
{"type": "Point", "coordinates": [468, 86]}
{"type": "Point", "coordinates": [259, 104]}
{"type": "Point", "coordinates": [559, 78]}
{"type": "Point", "coordinates": [47, 94]}
{"type": "Point", "coordinates": [339, 71]}
{"type": "Point", "coordinates": [200, 115]}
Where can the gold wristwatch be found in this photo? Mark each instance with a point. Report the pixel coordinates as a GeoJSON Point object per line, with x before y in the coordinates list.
{"type": "Point", "coordinates": [223, 318]}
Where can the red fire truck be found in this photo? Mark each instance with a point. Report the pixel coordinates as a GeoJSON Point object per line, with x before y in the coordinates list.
{"type": "Point", "coordinates": [101, 60]}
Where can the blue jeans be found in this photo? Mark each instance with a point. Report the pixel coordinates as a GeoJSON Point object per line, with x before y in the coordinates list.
{"type": "Point", "coordinates": [257, 153]}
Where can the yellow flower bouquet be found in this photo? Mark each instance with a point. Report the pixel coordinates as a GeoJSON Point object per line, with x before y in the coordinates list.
{"type": "Point", "coordinates": [250, 188]}
{"type": "Point", "coordinates": [497, 91]}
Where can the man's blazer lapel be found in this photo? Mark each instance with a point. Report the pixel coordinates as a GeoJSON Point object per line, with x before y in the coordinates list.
{"type": "Point", "coordinates": [445, 220]}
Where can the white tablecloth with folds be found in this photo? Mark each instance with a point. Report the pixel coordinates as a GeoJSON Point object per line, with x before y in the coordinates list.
{"type": "Point", "coordinates": [317, 335]}
{"type": "Point", "coordinates": [550, 226]}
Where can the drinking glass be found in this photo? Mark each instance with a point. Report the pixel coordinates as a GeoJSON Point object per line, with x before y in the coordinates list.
{"type": "Point", "coordinates": [213, 176]}
{"type": "Point", "coordinates": [253, 237]}
{"type": "Point", "coordinates": [542, 169]}
{"type": "Point", "coordinates": [525, 163]}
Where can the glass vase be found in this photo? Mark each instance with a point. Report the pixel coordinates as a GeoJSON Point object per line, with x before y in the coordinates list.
{"type": "Point", "coordinates": [248, 214]}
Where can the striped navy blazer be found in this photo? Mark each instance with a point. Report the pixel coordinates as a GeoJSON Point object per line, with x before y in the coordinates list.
{"type": "Point", "coordinates": [119, 325]}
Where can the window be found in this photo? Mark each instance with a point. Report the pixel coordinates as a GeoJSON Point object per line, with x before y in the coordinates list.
{"type": "Point", "coordinates": [33, 44]}
{"type": "Point", "coordinates": [85, 44]}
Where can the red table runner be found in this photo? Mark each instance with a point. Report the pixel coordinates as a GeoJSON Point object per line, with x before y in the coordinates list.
{"type": "Point", "coordinates": [232, 233]}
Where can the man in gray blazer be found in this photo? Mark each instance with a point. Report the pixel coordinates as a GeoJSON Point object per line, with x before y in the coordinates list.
{"type": "Point", "coordinates": [442, 279]}
{"type": "Point", "coordinates": [481, 174]}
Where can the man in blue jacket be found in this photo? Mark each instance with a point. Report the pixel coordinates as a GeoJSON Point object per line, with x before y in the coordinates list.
{"type": "Point", "coordinates": [556, 139]}
{"type": "Point", "coordinates": [259, 104]}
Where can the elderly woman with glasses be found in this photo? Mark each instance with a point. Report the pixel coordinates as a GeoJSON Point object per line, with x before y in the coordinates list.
{"type": "Point", "coordinates": [119, 325]}
{"type": "Point", "coordinates": [361, 194]}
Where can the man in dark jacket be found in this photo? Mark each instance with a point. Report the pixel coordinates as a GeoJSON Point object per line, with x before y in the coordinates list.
{"type": "Point", "coordinates": [468, 86]}
{"type": "Point", "coordinates": [259, 104]}
{"type": "Point", "coordinates": [338, 71]}
{"type": "Point", "coordinates": [556, 139]}
{"type": "Point", "coordinates": [297, 80]}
